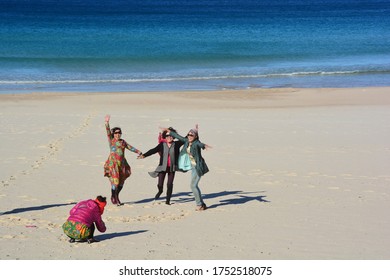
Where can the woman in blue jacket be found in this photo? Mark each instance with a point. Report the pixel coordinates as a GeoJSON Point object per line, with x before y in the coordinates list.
{"type": "Point", "coordinates": [192, 146]}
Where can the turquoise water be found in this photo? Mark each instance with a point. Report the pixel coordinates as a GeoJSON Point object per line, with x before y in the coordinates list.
{"type": "Point", "coordinates": [120, 45]}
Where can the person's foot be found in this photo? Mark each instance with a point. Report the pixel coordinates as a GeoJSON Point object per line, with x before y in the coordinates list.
{"type": "Point", "coordinates": [113, 200]}
{"type": "Point", "coordinates": [201, 207]}
{"type": "Point", "coordinates": [167, 203]}
{"type": "Point", "coordinates": [92, 240]}
{"type": "Point", "coordinates": [157, 196]}
{"type": "Point", "coordinates": [118, 202]}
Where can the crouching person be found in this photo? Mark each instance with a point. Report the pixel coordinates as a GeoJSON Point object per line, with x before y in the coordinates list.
{"type": "Point", "coordinates": [84, 215]}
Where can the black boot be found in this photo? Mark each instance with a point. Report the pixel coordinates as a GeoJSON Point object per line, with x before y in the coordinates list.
{"type": "Point", "coordinates": [117, 191]}
{"type": "Point", "coordinates": [160, 190]}
{"type": "Point", "coordinates": [169, 194]}
{"type": "Point", "coordinates": [113, 199]}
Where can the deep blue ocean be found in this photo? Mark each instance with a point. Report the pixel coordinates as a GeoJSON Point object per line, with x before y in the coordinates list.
{"type": "Point", "coordinates": [164, 45]}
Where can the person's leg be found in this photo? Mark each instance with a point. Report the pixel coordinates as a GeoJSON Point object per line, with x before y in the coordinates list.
{"type": "Point", "coordinates": [171, 177]}
{"type": "Point", "coordinates": [91, 231]}
{"type": "Point", "coordinates": [69, 229]}
{"type": "Point", "coordinates": [118, 189]}
{"type": "Point", "coordinates": [118, 202]}
{"type": "Point", "coordinates": [160, 184]}
{"type": "Point", "coordinates": [113, 196]}
{"type": "Point", "coordinates": [195, 178]}
{"type": "Point", "coordinates": [91, 239]}
{"type": "Point", "coordinates": [116, 195]}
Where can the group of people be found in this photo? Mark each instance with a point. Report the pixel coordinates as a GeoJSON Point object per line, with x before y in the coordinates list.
{"type": "Point", "coordinates": [177, 153]}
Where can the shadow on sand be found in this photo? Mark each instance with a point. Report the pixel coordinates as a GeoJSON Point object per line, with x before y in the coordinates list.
{"type": "Point", "coordinates": [238, 197]}
{"type": "Point", "coordinates": [35, 208]}
{"type": "Point", "coordinates": [230, 198]}
{"type": "Point", "coordinates": [107, 236]}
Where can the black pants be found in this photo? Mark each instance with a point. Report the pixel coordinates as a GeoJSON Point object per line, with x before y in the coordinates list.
{"type": "Point", "coordinates": [91, 230]}
{"type": "Point", "coordinates": [162, 175]}
{"type": "Point", "coordinates": [161, 179]}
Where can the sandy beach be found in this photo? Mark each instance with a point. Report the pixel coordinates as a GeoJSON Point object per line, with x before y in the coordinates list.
{"type": "Point", "coordinates": [295, 174]}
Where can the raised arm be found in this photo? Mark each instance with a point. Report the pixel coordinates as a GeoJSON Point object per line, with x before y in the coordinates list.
{"type": "Point", "coordinates": [108, 130]}
{"type": "Point", "coordinates": [160, 138]}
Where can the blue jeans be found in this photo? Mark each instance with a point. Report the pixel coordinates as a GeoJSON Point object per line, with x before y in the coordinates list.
{"type": "Point", "coordinates": [195, 178]}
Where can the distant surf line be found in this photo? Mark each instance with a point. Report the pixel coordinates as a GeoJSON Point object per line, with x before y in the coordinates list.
{"type": "Point", "coordinates": [199, 78]}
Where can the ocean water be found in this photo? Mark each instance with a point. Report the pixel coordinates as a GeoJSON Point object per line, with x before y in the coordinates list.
{"type": "Point", "coordinates": [167, 45]}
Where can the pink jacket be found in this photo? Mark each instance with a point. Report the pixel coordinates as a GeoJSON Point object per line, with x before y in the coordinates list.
{"type": "Point", "coordinates": [87, 212]}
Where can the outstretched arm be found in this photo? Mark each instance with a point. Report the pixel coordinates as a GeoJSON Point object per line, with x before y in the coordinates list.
{"type": "Point", "coordinates": [150, 152]}
{"type": "Point", "coordinates": [203, 146]}
{"type": "Point", "coordinates": [133, 149]}
{"type": "Point", "coordinates": [207, 147]}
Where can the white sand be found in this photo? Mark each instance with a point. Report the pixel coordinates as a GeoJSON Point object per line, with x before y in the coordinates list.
{"type": "Point", "coordinates": [295, 174]}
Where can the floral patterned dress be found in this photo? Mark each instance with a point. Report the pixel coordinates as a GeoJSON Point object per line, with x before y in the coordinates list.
{"type": "Point", "coordinates": [116, 167]}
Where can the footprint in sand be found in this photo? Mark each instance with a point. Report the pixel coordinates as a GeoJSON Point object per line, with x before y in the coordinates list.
{"type": "Point", "coordinates": [8, 236]}
{"type": "Point", "coordinates": [256, 172]}
{"type": "Point", "coordinates": [54, 147]}
{"type": "Point", "coordinates": [164, 216]}
{"type": "Point", "coordinates": [292, 174]}
{"type": "Point", "coordinates": [271, 182]}
{"type": "Point", "coordinates": [220, 170]}
{"type": "Point", "coordinates": [29, 223]}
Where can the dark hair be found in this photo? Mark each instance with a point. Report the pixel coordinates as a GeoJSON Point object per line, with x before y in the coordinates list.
{"type": "Point", "coordinates": [101, 198]}
{"type": "Point", "coordinates": [164, 134]}
{"type": "Point", "coordinates": [113, 130]}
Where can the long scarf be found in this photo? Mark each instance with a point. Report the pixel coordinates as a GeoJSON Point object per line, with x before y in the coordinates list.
{"type": "Point", "coordinates": [163, 167]}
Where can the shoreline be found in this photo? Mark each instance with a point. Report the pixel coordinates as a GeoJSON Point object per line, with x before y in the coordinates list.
{"type": "Point", "coordinates": [274, 97]}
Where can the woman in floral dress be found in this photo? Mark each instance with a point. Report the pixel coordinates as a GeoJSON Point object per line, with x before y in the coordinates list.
{"type": "Point", "coordinates": [116, 167]}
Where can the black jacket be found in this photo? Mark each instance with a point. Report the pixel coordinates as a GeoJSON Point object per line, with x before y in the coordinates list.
{"type": "Point", "coordinates": [160, 149]}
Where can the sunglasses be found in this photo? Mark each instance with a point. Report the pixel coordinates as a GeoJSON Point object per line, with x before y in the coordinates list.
{"type": "Point", "coordinates": [117, 132]}
{"type": "Point", "coordinates": [192, 135]}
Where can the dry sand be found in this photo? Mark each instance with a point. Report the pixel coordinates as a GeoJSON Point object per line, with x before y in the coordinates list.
{"type": "Point", "coordinates": [294, 174]}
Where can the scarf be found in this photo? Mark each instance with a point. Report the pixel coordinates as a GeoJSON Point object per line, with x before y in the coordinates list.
{"type": "Point", "coordinates": [163, 167]}
{"type": "Point", "coordinates": [101, 206]}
